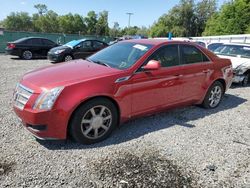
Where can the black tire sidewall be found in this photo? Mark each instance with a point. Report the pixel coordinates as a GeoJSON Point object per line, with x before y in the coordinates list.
{"type": "Point", "coordinates": [75, 123]}
{"type": "Point", "coordinates": [205, 103]}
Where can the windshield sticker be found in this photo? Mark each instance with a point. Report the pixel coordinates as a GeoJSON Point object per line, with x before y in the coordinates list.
{"type": "Point", "coordinates": [140, 47]}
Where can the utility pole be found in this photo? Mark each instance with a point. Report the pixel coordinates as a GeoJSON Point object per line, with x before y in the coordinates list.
{"type": "Point", "coordinates": [129, 15]}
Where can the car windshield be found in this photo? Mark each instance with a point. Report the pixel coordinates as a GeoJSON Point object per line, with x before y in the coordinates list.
{"type": "Point", "coordinates": [233, 50]}
{"type": "Point", "coordinates": [213, 46]}
{"type": "Point", "coordinates": [121, 55]}
{"type": "Point", "coordinates": [72, 43]}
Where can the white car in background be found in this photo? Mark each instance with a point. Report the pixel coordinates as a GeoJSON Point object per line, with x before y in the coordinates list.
{"type": "Point", "coordinates": [239, 54]}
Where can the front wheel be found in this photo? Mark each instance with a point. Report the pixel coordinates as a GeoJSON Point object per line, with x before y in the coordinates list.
{"type": "Point", "coordinates": [94, 121]}
{"type": "Point", "coordinates": [214, 95]}
{"type": "Point", "coordinates": [68, 58]}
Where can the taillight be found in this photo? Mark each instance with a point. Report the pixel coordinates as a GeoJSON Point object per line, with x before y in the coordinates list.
{"type": "Point", "coordinates": [11, 46]}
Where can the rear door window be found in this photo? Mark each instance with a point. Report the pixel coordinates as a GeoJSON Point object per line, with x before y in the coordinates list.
{"type": "Point", "coordinates": [47, 42]}
{"type": "Point", "coordinates": [191, 54]}
{"type": "Point", "coordinates": [98, 45]}
{"type": "Point", "coordinates": [36, 42]}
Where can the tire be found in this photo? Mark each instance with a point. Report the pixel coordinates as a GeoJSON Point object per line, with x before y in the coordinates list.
{"type": "Point", "coordinates": [68, 58]}
{"type": "Point", "coordinates": [27, 55]}
{"type": "Point", "coordinates": [214, 95]}
{"type": "Point", "coordinates": [246, 80]}
{"type": "Point", "coordinates": [93, 121]}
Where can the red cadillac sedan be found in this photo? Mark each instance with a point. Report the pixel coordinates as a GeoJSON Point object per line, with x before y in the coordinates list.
{"type": "Point", "coordinates": [88, 98]}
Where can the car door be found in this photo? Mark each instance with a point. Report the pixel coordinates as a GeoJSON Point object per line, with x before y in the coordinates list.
{"type": "Point", "coordinates": [97, 45]}
{"type": "Point", "coordinates": [37, 47]}
{"type": "Point", "coordinates": [47, 45]}
{"type": "Point", "coordinates": [83, 50]}
{"type": "Point", "coordinates": [197, 69]}
{"type": "Point", "coordinates": [157, 89]}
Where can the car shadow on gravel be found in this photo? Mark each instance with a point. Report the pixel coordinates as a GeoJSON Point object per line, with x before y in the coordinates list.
{"type": "Point", "coordinates": [142, 126]}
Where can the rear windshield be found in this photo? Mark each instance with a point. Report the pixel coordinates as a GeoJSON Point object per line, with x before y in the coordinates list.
{"type": "Point", "coordinates": [21, 40]}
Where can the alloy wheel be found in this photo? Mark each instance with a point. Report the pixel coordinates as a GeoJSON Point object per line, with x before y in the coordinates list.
{"type": "Point", "coordinates": [96, 122]}
{"type": "Point", "coordinates": [68, 58]}
{"type": "Point", "coordinates": [215, 96]}
{"type": "Point", "coordinates": [27, 54]}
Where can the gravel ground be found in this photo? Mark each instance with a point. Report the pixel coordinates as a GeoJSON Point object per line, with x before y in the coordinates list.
{"type": "Point", "coordinates": [187, 147]}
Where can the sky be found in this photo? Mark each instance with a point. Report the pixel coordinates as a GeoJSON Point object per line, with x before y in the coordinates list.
{"type": "Point", "coordinates": [145, 12]}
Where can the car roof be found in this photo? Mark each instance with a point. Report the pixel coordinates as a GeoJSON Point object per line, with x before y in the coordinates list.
{"type": "Point", "coordinates": [156, 42]}
{"type": "Point", "coordinates": [81, 40]}
{"type": "Point", "coordinates": [237, 44]}
{"type": "Point", "coordinates": [35, 38]}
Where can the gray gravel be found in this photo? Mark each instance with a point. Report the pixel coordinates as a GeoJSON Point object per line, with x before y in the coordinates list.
{"type": "Point", "coordinates": [188, 147]}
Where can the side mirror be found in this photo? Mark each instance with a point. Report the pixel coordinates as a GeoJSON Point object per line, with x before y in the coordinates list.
{"type": "Point", "coordinates": [152, 65]}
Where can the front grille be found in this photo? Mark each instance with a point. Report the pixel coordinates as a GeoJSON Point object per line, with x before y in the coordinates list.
{"type": "Point", "coordinates": [21, 96]}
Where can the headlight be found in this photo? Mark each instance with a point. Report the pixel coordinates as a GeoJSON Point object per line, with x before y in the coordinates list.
{"type": "Point", "coordinates": [59, 51]}
{"type": "Point", "coordinates": [240, 69]}
{"type": "Point", "coordinates": [47, 98]}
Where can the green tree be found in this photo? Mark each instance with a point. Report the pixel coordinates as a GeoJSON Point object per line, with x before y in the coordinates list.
{"type": "Point", "coordinates": [47, 22]}
{"type": "Point", "coordinates": [185, 19]}
{"type": "Point", "coordinates": [115, 31]}
{"type": "Point", "coordinates": [102, 27]}
{"type": "Point", "coordinates": [129, 30]}
{"type": "Point", "coordinates": [203, 11]}
{"type": "Point", "coordinates": [19, 21]}
{"type": "Point", "coordinates": [232, 18]}
{"type": "Point", "coordinates": [143, 31]}
{"type": "Point", "coordinates": [41, 8]}
{"type": "Point", "coordinates": [91, 21]}
{"type": "Point", "coordinates": [179, 20]}
{"type": "Point", "coordinates": [72, 24]}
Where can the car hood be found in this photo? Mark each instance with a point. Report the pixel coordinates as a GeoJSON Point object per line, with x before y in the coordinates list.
{"type": "Point", "coordinates": [65, 74]}
{"type": "Point", "coordinates": [237, 61]}
{"type": "Point", "coordinates": [52, 50]}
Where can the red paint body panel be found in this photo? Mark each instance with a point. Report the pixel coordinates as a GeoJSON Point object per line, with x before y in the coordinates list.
{"type": "Point", "coordinates": [143, 93]}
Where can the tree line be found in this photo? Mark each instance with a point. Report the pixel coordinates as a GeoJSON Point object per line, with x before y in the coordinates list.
{"type": "Point", "coordinates": [188, 18]}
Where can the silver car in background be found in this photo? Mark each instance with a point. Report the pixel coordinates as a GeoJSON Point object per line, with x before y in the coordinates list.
{"type": "Point", "coordinates": [239, 54]}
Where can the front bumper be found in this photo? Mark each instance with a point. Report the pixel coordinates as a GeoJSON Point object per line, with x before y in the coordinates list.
{"type": "Point", "coordinates": [54, 57]}
{"type": "Point", "coordinates": [238, 78]}
{"type": "Point", "coordinates": [46, 125]}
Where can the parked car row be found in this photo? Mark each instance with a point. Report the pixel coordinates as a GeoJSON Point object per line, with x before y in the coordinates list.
{"type": "Point", "coordinates": [87, 99]}
{"type": "Point", "coordinates": [31, 47]}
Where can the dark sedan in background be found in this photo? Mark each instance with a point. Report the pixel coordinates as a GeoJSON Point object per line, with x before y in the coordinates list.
{"type": "Point", "coordinates": [76, 49]}
{"type": "Point", "coordinates": [29, 47]}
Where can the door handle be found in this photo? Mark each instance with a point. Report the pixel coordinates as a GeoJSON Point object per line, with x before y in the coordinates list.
{"type": "Point", "coordinates": [178, 75]}
{"type": "Point", "coordinates": [206, 71]}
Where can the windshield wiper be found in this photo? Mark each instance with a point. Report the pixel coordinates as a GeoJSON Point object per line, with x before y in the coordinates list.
{"type": "Point", "coordinates": [98, 62]}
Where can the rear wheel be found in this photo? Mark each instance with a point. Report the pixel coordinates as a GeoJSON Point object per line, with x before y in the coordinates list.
{"type": "Point", "coordinates": [246, 80]}
{"type": "Point", "coordinates": [68, 58]}
{"type": "Point", "coordinates": [27, 55]}
{"type": "Point", "coordinates": [214, 95]}
{"type": "Point", "coordinates": [94, 121]}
